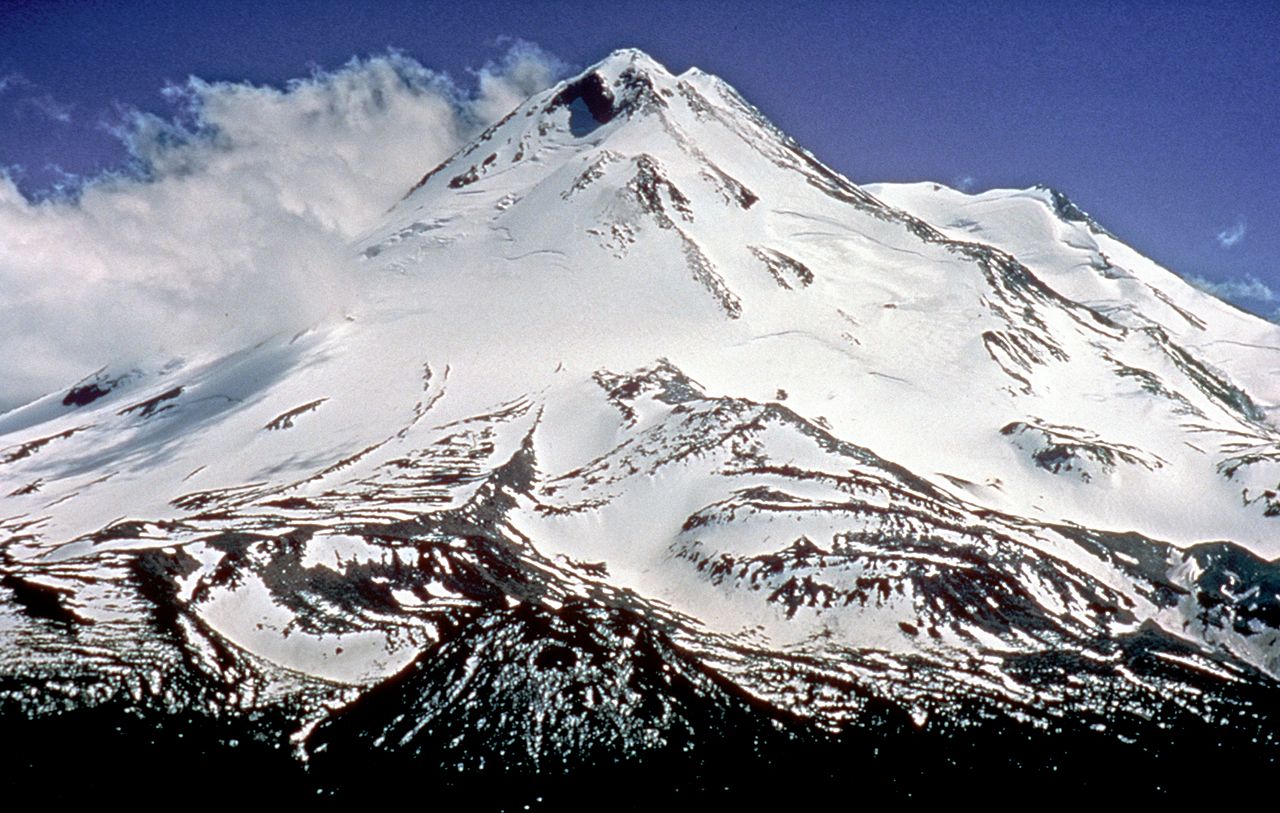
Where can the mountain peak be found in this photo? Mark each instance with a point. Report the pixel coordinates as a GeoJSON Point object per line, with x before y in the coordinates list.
{"type": "Point", "coordinates": [1066, 209]}
{"type": "Point", "coordinates": [627, 81]}
{"type": "Point", "coordinates": [627, 84]}
{"type": "Point", "coordinates": [625, 59]}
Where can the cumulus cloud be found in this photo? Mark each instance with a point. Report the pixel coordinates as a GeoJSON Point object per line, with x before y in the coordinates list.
{"type": "Point", "coordinates": [1246, 290]}
{"type": "Point", "coordinates": [234, 222]}
{"type": "Point", "coordinates": [1231, 235]}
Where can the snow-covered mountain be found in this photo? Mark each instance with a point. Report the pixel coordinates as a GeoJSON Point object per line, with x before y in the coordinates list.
{"type": "Point", "coordinates": [647, 421]}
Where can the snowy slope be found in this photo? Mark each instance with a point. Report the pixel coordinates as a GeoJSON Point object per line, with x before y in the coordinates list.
{"type": "Point", "coordinates": [1086, 263]}
{"type": "Point", "coordinates": [635, 350]}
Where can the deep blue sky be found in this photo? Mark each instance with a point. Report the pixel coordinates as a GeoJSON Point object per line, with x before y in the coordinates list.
{"type": "Point", "coordinates": [1162, 119]}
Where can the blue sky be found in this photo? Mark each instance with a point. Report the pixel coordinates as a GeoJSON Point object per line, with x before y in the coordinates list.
{"type": "Point", "coordinates": [1161, 119]}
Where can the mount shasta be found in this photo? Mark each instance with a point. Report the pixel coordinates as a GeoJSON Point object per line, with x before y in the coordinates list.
{"type": "Point", "coordinates": [647, 431]}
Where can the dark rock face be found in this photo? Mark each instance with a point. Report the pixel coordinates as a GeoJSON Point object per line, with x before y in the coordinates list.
{"type": "Point", "coordinates": [151, 406]}
{"type": "Point", "coordinates": [1067, 210]}
{"type": "Point", "coordinates": [98, 385]}
{"type": "Point", "coordinates": [80, 396]}
{"type": "Point", "coordinates": [589, 101]}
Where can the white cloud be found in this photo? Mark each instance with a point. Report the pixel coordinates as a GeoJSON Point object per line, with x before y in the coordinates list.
{"type": "Point", "coordinates": [12, 80]}
{"type": "Point", "coordinates": [1248, 289]}
{"type": "Point", "coordinates": [966, 183]}
{"type": "Point", "coordinates": [1228, 237]}
{"type": "Point", "coordinates": [237, 224]}
{"type": "Point", "coordinates": [48, 107]}
{"type": "Point", "coordinates": [524, 70]}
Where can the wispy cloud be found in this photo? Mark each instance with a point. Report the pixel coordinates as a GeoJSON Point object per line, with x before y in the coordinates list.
{"type": "Point", "coordinates": [1246, 290]}
{"type": "Point", "coordinates": [12, 80]}
{"type": "Point", "coordinates": [1231, 235]}
{"type": "Point", "coordinates": [966, 183]}
{"type": "Point", "coordinates": [32, 102]}
{"type": "Point", "coordinates": [47, 106]}
{"type": "Point", "coordinates": [244, 205]}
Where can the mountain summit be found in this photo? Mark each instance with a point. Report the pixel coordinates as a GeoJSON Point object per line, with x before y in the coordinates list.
{"type": "Point", "coordinates": [648, 427]}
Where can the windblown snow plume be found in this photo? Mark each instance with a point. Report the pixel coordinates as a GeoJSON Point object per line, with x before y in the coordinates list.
{"type": "Point", "coordinates": [236, 224]}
